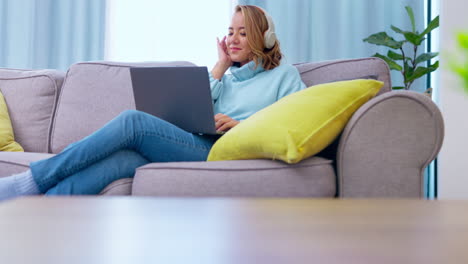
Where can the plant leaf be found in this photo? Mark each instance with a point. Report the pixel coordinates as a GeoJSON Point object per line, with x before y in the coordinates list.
{"type": "Point", "coordinates": [462, 39]}
{"type": "Point", "coordinates": [434, 66]}
{"type": "Point", "coordinates": [408, 71]}
{"type": "Point", "coordinates": [409, 10]}
{"type": "Point", "coordinates": [383, 39]}
{"type": "Point", "coordinates": [398, 87]}
{"type": "Point", "coordinates": [413, 38]}
{"type": "Point", "coordinates": [394, 56]}
{"type": "Point", "coordinates": [421, 71]}
{"type": "Point", "coordinates": [425, 57]}
{"type": "Point", "coordinates": [397, 30]}
{"type": "Point", "coordinates": [391, 63]}
{"type": "Point", "coordinates": [432, 25]}
{"type": "Point", "coordinates": [460, 70]}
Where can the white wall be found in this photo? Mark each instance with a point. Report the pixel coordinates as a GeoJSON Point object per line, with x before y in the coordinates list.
{"type": "Point", "coordinates": [162, 30]}
{"type": "Point", "coordinates": [453, 158]}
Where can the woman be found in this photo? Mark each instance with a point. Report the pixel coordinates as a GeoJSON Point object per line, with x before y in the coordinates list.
{"type": "Point", "coordinates": [251, 51]}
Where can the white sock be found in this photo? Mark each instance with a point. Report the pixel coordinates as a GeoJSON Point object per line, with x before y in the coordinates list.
{"type": "Point", "coordinates": [18, 184]}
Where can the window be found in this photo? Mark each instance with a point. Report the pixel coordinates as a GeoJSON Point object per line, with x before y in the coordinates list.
{"type": "Point", "coordinates": [160, 30]}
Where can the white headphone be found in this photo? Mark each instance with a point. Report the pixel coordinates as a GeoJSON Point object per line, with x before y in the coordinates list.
{"type": "Point", "coordinates": [270, 35]}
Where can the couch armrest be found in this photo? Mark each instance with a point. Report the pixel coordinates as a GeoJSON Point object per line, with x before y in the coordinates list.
{"type": "Point", "coordinates": [387, 144]}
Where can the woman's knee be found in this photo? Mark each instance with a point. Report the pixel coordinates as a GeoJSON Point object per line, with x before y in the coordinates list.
{"type": "Point", "coordinates": [91, 180]}
{"type": "Point", "coordinates": [131, 114]}
{"type": "Point", "coordinates": [139, 118]}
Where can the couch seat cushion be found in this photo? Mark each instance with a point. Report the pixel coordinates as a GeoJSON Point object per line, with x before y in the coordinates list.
{"type": "Point", "coordinates": [119, 187]}
{"type": "Point", "coordinates": [313, 177]}
{"type": "Point", "coordinates": [16, 162]}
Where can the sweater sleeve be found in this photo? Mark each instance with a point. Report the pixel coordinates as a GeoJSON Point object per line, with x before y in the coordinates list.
{"type": "Point", "coordinates": [216, 86]}
{"type": "Point", "coordinates": [291, 83]}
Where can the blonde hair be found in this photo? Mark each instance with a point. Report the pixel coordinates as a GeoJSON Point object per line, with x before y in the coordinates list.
{"type": "Point", "coordinates": [255, 27]}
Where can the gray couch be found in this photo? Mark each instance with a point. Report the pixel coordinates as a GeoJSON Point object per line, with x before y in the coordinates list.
{"type": "Point", "coordinates": [382, 152]}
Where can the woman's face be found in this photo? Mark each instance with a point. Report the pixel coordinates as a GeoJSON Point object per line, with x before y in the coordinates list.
{"type": "Point", "coordinates": [237, 46]}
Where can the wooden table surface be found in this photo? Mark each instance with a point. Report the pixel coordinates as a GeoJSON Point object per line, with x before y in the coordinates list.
{"type": "Point", "coordinates": [154, 230]}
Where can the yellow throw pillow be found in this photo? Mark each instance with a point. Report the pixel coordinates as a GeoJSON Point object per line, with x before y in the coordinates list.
{"type": "Point", "coordinates": [7, 140]}
{"type": "Point", "coordinates": [298, 126]}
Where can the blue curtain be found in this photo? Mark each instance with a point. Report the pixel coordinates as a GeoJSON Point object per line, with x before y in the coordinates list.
{"type": "Point", "coordinates": [51, 33]}
{"type": "Point", "coordinates": [316, 30]}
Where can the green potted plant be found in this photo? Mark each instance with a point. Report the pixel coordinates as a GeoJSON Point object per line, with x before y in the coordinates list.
{"type": "Point", "coordinates": [461, 68]}
{"type": "Point", "coordinates": [396, 57]}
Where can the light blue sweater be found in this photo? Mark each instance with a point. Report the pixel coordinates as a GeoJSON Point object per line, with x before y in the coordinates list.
{"type": "Point", "coordinates": [247, 90]}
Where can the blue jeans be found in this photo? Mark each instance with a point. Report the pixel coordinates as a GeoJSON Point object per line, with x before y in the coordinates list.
{"type": "Point", "coordinates": [113, 152]}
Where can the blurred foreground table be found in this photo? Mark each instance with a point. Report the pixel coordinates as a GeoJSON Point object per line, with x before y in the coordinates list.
{"type": "Point", "coordinates": [154, 230]}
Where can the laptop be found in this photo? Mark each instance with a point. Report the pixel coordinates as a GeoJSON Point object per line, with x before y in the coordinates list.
{"type": "Point", "coordinates": [179, 95]}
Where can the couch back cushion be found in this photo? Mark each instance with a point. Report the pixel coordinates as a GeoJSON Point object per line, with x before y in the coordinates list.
{"type": "Point", "coordinates": [94, 93]}
{"type": "Point", "coordinates": [314, 73]}
{"type": "Point", "coordinates": [31, 97]}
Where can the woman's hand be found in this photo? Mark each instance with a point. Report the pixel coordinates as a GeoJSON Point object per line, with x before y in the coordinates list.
{"type": "Point", "coordinates": [223, 56]}
{"type": "Point", "coordinates": [224, 60]}
{"type": "Point", "coordinates": [224, 122]}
